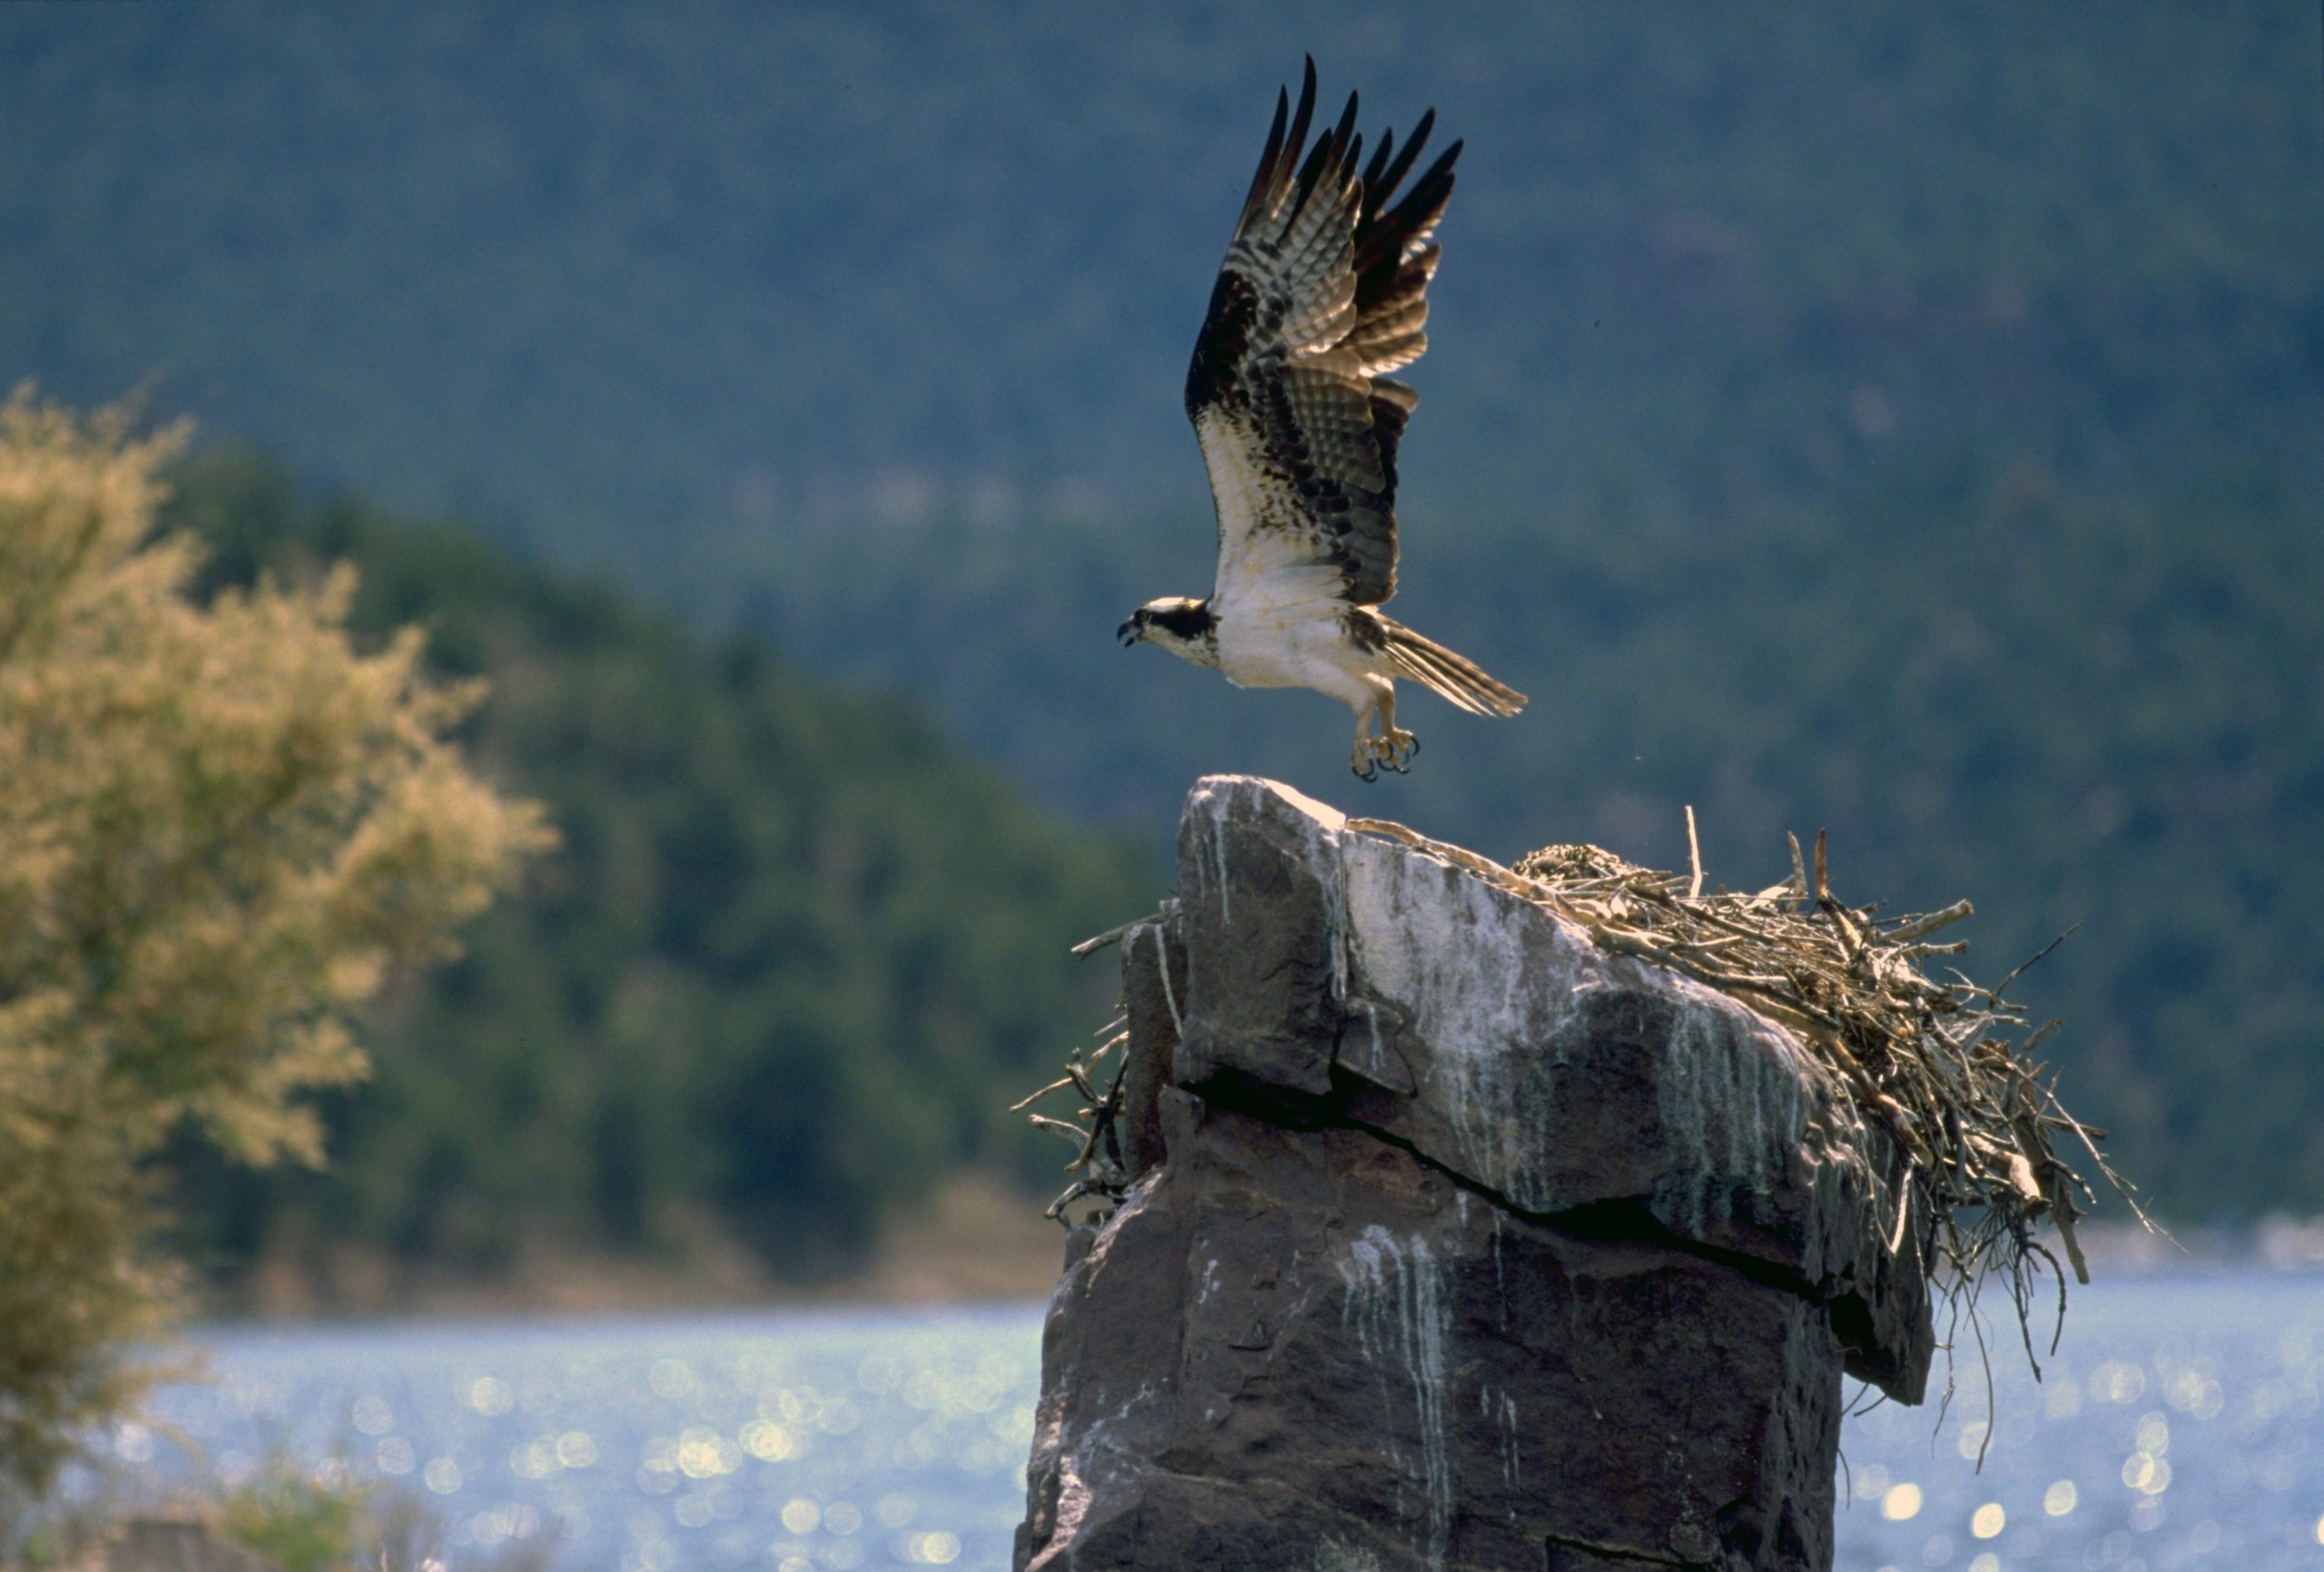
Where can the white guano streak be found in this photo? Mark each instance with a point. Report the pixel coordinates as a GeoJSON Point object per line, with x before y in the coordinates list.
{"type": "Point", "coordinates": [1395, 1305]}
{"type": "Point", "coordinates": [1219, 865]}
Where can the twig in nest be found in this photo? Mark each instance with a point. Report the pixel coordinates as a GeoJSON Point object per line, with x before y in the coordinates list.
{"type": "Point", "coordinates": [1056, 1085]}
{"type": "Point", "coordinates": [1098, 1152]}
{"type": "Point", "coordinates": [1922, 926]}
{"type": "Point", "coordinates": [1096, 942]}
{"type": "Point", "coordinates": [2027, 964]}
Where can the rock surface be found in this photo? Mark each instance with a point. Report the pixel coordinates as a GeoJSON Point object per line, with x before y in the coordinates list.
{"type": "Point", "coordinates": [1455, 1242]}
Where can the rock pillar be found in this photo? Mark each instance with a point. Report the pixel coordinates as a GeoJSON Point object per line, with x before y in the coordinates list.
{"type": "Point", "coordinates": [1457, 1243]}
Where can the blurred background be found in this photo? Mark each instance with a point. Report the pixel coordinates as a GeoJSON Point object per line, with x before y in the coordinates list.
{"type": "Point", "coordinates": [1904, 421]}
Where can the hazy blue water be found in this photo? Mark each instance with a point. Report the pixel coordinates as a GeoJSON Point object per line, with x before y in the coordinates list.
{"type": "Point", "coordinates": [2183, 1412]}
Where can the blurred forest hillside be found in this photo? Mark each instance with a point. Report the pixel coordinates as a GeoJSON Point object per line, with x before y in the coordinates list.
{"type": "Point", "coordinates": [788, 966]}
{"type": "Point", "coordinates": [614, 286]}
{"type": "Point", "coordinates": [1903, 419]}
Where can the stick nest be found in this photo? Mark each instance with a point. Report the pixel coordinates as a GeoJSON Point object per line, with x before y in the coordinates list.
{"type": "Point", "coordinates": [1946, 1067]}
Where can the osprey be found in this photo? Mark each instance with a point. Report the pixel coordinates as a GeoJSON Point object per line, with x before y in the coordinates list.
{"type": "Point", "coordinates": [1324, 290]}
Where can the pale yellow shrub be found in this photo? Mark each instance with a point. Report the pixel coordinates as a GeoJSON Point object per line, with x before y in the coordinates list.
{"type": "Point", "coordinates": [220, 825]}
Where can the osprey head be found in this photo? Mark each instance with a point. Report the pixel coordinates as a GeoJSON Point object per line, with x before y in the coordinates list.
{"type": "Point", "coordinates": [1184, 627]}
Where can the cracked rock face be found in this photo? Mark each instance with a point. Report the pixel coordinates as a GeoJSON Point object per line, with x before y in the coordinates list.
{"type": "Point", "coordinates": [1457, 1243]}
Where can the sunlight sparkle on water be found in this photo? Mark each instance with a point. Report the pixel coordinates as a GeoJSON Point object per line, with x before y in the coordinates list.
{"type": "Point", "coordinates": [768, 1441]}
{"type": "Point", "coordinates": [934, 1549]}
{"type": "Point", "coordinates": [2146, 1473]}
{"type": "Point", "coordinates": [894, 1439]}
{"type": "Point", "coordinates": [2116, 1381]}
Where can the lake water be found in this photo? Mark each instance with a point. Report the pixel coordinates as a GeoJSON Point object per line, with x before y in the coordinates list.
{"type": "Point", "coordinates": [2179, 1427]}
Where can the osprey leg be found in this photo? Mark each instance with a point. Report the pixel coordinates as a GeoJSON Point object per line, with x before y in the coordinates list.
{"type": "Point", "coordinates": [1396, 748]}
{"type": "Point", "coordinates": [1364, 755]}
{"type": "Point", "coordinates": [1382, 745]}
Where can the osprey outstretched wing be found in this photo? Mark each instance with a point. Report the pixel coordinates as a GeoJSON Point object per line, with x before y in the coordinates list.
{"type": "Point", "coordinates": [1322, 291]}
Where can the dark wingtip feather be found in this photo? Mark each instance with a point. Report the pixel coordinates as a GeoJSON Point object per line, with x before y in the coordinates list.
{"type": "Point", "coordinates": [1319, 157]}
{"type": "Point", "coordinates": [1434, 184]}
{"type": "Point", "coordinates": [1265, 177]}
{"type": "Point", "coordinates": [1295, 142]}
{"type": "Point", "coordinates": [1343, 143]}
{"type": "Point", "coordinates": [1380, 155]}
{"type": "Point", "coordinates": [1395, 173]}
{"type": "Point", "coordinates": [1306, 107]}
{"type": "Point", "coordinates": [1383, 232]}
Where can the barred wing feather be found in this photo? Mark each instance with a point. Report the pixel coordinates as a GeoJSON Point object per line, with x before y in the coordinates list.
{"type": "Point", "coordinates": [1324, 290]}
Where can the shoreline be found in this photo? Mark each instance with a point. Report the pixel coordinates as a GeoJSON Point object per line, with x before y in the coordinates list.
{"type": "Point", "coordinates": [975, 1243]}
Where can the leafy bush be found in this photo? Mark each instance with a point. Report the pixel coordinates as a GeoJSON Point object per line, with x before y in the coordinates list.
{"type": "Point", "coordinates": [223, 825]}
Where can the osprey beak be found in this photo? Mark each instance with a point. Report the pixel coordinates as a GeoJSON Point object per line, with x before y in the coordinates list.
{"type": "Point", "coordinates": [1127, 633]}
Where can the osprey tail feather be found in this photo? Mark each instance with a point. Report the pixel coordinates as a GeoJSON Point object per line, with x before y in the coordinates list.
{"type": "Point", "coordinates": [1455, 678]}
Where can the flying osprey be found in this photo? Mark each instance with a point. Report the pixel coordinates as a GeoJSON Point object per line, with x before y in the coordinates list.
{"type": "Point", "coordinates": [1324, 288]}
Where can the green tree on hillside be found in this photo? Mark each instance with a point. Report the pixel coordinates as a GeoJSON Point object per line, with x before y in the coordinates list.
{"type": "Point", "coordinates": [222, 826]}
